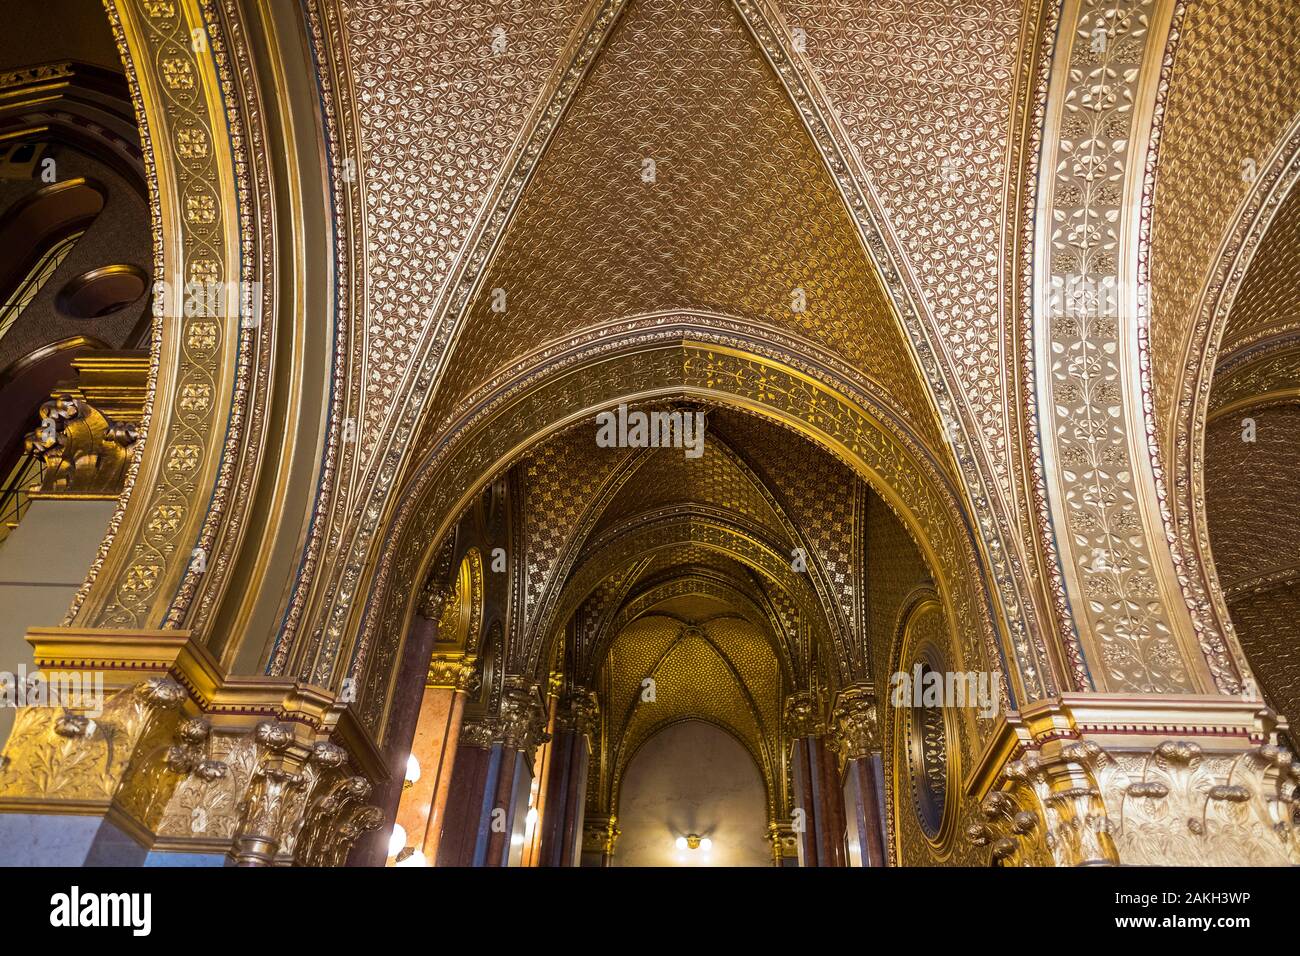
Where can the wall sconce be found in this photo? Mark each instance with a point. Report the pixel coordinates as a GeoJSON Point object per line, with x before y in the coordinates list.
{"type": "Point", "coordinates": [693, 841]}
{"type": "Point", "coordinates": [397, 841]}
{"type": "Point", "coordinates": [412, 772]}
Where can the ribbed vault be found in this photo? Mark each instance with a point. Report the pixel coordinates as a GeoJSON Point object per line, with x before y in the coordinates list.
{"type": "Point", "coordinates": [682, 177]}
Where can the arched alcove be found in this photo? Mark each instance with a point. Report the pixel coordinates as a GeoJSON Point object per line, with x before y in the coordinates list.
{"type": "Point", "coordinates": [693, 779]}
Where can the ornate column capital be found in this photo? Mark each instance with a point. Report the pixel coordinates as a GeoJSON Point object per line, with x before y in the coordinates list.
{"type": "Point", "coordinates": [522, 719]}
{"type": "Point", "coordinates": [600, 834]}
{"type": "Point", "coordinates": [579, 710]}
{"type": "Point", "coordinates": [803, 717]}
{"type": "Point", "coordinates": [857, 722]}
{"type": "Point", "coordinates": [478, 731]}
{"type": "Point", "coordinates": [186, 769]}
{"type": "Point", "coordinates": [1190, 781]}
{"type": "Point", "coordinates": [451, 672]}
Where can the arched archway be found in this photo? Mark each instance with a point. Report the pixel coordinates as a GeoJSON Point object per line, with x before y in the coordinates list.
{"type": "Point", "coordinates": [516, 414]}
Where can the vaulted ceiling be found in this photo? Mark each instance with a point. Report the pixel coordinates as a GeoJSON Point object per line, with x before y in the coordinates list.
{"type": "Point", "coordinates": [682, 177]}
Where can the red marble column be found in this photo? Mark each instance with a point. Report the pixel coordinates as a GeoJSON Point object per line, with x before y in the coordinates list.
{"type": "Point", "coordinates": [857, 739]}
{"type": "Point", "coordinates": [466, 797]}
{"type": "Point", "coordinates": [818, 811]}
{"type": "Point", "coordinates": [817, 794]}
{"type": "Point", "coordinates": [422, 805]}
{"type": "Point", "coordinates": [488, 801]}
{"type": "Point", "coordinates": [566, 784]}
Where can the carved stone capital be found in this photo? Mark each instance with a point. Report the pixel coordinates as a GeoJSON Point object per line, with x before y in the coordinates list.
{"type": "Point", "coordinates": [1074, 792]}
{"type": "Point", "coordinates": [600, 834]}
{"type": "Point", "coordinates": [59, 755]}
{"type": "Point", "coordinates": [803, 716]}
{"type": "Point", "coordinates": [87, 429]}
{"type": "Point", "coordinates": [579, 711]}
{"type": "Point", "coordinates": [451, 672]}
{"type": "Point", "coordinates": [522, 719]}
{"type": "Point", "coordinates": [857, 723]}
{"type": "Point", "coordinates": [478, 732]}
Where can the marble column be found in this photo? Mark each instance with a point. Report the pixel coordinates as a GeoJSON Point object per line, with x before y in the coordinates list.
{"type": "Point", "coordinates": [818, 817]}
{"type": "Point", "coordinates": [423, 803]}
{"type": "Point", "coordinates": [487, 804]}
{"type": "Point", "coordinates": [858, 741]}
{"type": "Point", "coordinates": [566, 783]}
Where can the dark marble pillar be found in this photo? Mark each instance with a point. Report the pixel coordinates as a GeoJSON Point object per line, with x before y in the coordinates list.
{"type": "Point", "coordinates": [566, 783]}
{"type": "Point", "coordinates": [818, 817]}
{"type": "Point", "coordinates": [856, 719]}
{"type": "Point", "coordinates": [487, 804]}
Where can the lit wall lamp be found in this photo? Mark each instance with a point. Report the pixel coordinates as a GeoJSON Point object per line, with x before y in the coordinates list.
{"type": "Point", "coordinates": [412, 772]}
{"type": "Point", "coordinates": [693, 841]}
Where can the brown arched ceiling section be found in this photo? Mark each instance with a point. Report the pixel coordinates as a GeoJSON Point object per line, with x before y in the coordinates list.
{"type": "Point", "coordinates": [1217, 120]}
{"type": "Point", "coordinates": [737, 215]}
{"type": "Point", "coordinates": [1268, 303]}
{"type": "Point", "coordinates": [1253, 510]}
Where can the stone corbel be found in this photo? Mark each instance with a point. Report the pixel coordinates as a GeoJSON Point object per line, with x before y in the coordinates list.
{"type": "Point", "coordinates": [803, 717]}
{"type": "Point", "coordinates": [88, 428]}
{"type": "Point", "coordinates": [1170, 782]}
{"type": "Point", "coordinates": [857, 723]}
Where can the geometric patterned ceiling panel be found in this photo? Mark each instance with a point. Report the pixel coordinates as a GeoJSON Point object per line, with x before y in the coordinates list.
{"type": "Point", "coordinates": [1216, 119]}
{"type": "Point", "coordinates": [740, 211]}
{"type": "Point", "coordinates": [816, 491]}
{"type": "Point", "coordinates": [924, 90]}
{"type": "Point", "coordinates": [438, 106]}
{"type": "Point", "coordinates": [1252, 492]}
{"type": "Point", "coordinates": [724, 672]}
{"type": "Point", "coordinates": [666, 477]}
{"type": "Point", "coordinates": [1268, 302]}
{"type": "Point", "coordinates": [561, 477]}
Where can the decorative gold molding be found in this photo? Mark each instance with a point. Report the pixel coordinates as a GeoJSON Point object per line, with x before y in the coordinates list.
{"type": "Point", "coordinates": [1104, 487]}
{"type": "Point", "coordinates": [195, 173]}
{"type": "Point", "coordinates": [1108, 779]}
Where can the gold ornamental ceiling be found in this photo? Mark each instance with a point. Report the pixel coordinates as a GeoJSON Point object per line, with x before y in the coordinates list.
{"type": "Point", "coordinates": [682, 177]}
{"type": "Point", "coordinates": [605, 526]}
{"type": "Point", "coordinates": [666, 477]}
{"type": "Point", "coordinates": [712, 667]}
{"type": "Point", "coordinates": [1268, 303]}
{"type": "Point", "coordinates": [1220, 129]}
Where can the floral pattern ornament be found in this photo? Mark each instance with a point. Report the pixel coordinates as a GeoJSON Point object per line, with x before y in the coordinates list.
{"type": "Point", "coordinates": [1119, 576]}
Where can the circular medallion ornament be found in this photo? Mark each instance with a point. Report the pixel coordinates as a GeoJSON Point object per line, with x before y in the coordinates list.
{"type": "Point", "coordinates": [927, 753]}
